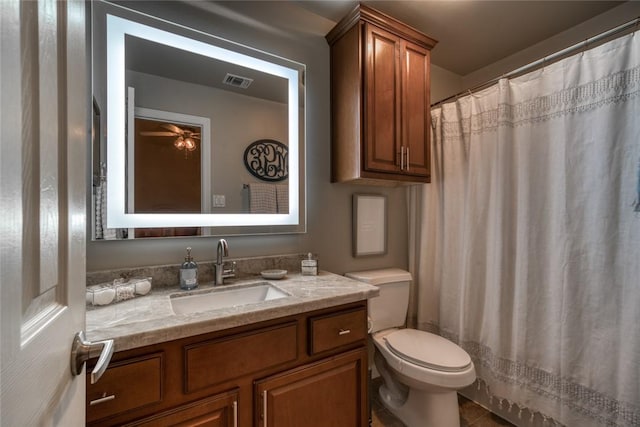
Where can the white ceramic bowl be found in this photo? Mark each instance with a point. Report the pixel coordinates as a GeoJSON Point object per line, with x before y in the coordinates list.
{"type": "Point", "coordinates": [273, 274]}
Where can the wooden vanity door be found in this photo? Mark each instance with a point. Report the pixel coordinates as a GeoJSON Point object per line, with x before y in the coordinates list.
{"type": "Point", "coordinates": [330, 393]}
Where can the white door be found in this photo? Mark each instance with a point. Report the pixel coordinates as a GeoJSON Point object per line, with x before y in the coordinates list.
{"type": "Point", "coordinates": [44, 128]}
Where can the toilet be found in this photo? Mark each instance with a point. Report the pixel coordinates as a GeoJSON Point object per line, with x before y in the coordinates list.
{"type": "Point", "coordinates": [421, 371]}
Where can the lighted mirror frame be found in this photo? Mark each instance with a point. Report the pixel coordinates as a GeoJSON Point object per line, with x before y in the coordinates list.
{"type": "Point", "coordinates": [117, 216]}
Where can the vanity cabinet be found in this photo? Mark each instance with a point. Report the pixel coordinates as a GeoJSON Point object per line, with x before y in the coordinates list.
{"type": "Point", "coordinates": [308, 369]}
{"type": "Point", "coordinates": [380, 99]}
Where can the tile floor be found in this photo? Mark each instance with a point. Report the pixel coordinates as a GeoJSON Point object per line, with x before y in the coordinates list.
{"type": "Point", "coordinates": [471, 414]}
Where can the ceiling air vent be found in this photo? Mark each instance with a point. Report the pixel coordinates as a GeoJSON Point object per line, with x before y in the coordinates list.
{"type": "Point", "coordinates": [237, 81]}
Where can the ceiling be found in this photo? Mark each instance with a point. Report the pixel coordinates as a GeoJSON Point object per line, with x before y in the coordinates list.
{"type": "Point", "coordinates": [474, 34]}
{"type": "Point", "coordinates": [471, 34]}
{"type": "Point", "coordinates": [149, 57]}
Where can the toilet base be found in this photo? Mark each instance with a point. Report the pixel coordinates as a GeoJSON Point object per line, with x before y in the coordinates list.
{"type": "Point", "coordinates": [424, 409]}
{"type": "Point", "coordinates": [421, 406]}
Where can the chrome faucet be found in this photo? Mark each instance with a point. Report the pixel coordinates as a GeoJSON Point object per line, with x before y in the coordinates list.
{"type": "Point", "coordinates": [221, 273]}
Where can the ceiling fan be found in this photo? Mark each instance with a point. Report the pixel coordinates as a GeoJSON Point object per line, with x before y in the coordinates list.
{"type": "Point", "coordinates": [185, 139]}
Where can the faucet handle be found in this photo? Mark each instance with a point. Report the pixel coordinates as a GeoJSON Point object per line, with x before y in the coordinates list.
{"type": "Point", "coordinates": [231, 272]}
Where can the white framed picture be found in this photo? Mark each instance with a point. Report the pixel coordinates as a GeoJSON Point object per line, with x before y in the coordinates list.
{"type": "Point", "coordinates": [369, 224]}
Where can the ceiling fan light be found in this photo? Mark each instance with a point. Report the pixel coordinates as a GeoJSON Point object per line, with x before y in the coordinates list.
{"type": "Point", "coordinates": [179, 143]}
{"type": "Point", "coordinates": [189, 144]}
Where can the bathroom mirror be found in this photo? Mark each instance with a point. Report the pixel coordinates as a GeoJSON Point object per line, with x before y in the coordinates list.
{"type": "Point", "coordinates": [199, 101]}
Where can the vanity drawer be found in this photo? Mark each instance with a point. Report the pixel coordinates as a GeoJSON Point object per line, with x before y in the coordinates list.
{"type": "Point", "coordinates": [217, 361]}
{"type": "Point", "coordinates": [337, 329]}
{"type": "Point", "coordinates": [125, 385]}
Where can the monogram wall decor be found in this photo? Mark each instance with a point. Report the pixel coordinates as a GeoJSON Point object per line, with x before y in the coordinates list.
{"type": "Point", "coordinates": [267, 160]}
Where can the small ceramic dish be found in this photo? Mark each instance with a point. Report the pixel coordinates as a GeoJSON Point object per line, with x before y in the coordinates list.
{"type": "Point", "coordinates": [273, 274]}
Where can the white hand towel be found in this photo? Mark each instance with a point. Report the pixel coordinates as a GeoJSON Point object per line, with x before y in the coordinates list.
{"type": "Point", "coordinates": [282, 196]}
{"type": "Point", "coordinates": [262, 198]}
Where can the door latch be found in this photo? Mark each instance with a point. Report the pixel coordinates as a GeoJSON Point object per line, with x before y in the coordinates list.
{"type": "Point", "coordinates": [83, 350]}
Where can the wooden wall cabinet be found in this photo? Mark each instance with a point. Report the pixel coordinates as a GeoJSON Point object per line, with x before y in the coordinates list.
{"type": "Point", "coordinates": [380, 99]}
{"type": "Point", "coordinates": [304, 370]}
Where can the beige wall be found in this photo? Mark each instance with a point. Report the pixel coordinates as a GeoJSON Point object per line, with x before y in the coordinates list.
{"type": "Point", "coordinates": [444, 83]}
{"type": "Point", "coordinates": [328, 205]}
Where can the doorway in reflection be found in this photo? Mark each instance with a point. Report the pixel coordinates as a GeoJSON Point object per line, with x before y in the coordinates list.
{"type": "Point", "coordinates": [166, 176]}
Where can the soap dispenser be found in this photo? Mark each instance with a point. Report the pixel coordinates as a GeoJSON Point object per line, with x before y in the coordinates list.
{"type": "Point", "coordinates": [188, 273]}
{"type": "Point", "coordinates": [309, 266]}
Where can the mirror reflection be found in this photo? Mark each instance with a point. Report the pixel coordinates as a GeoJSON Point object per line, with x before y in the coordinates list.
{"type": "Point", "coordinates": [167, 173]}
{"type": "Point", "coordinates": [181, 116]}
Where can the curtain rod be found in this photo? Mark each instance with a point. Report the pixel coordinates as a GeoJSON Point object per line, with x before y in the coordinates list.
{"type": "Point", "coordinates": [547, 59]}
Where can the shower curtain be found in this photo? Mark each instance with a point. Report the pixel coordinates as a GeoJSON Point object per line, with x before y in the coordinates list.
{"type": "Point", "coordinates": [525, 247]}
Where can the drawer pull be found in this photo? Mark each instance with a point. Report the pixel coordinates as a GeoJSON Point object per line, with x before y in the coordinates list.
{"type": "Point", "coordinates": [264, 408]}
{"type": "Point", "coordinates": [102, 400]}
{"type": "Point", "coordinates": [235, 413]}
{"type": "Point", "coordinates": [344, 331]}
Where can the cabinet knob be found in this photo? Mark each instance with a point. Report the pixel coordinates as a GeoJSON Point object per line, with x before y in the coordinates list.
{"type": "Point", "coordinates": [344, 332]}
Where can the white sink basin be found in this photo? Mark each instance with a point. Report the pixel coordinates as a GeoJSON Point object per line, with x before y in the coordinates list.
{"type": "Point", "coordinates": [225, 298]}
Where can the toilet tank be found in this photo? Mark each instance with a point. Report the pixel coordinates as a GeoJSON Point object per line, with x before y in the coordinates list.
{"type": "Point", "coordinates": [389, 308]}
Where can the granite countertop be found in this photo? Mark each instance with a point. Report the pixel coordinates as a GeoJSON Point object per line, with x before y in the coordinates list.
{"type": "Point", "coordinates": [150, 320]}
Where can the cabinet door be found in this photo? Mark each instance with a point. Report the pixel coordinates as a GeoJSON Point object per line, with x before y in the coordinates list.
{"type": "Point", "coordinates": [217, 411]}
{"type": "Point", "coordinates": [415, 109]}
{"type": "Point", "coordinates": [330, 393]}
{"type": "Point", "coordinates": [382, 137]}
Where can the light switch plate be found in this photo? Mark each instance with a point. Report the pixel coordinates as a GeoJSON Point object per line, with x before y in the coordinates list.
{"type": "Point", "coordinates": [219, 201]}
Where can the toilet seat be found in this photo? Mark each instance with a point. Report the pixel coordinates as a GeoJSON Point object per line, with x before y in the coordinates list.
{"type": "Point", "coordinates": [427, 350]}
{"type": "Point", "coordinates": [416, 375]}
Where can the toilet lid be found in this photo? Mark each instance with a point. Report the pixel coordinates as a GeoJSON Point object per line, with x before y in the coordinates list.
{"type": "Point", "coordinates": [427, 350]}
